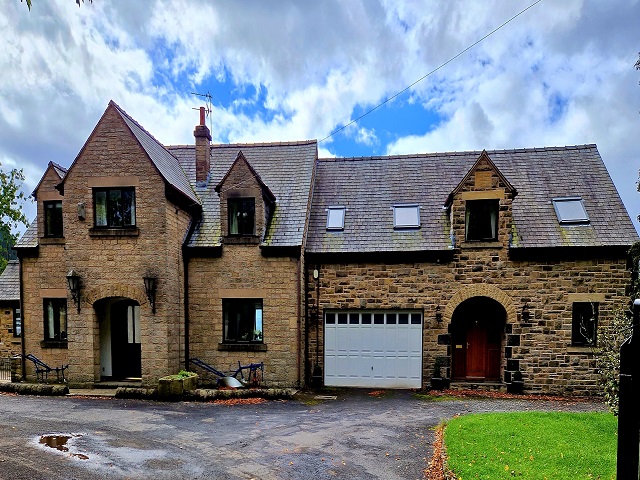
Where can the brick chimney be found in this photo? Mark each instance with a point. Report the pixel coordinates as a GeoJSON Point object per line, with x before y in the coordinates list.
{"type": "Point", "coordinates": [203, 150]}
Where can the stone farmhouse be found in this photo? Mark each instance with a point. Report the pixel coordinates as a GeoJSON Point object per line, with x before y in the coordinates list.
{"type": "Point", "coordinates": [346, 271]}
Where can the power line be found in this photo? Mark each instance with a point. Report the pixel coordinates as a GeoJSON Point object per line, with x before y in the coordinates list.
{"type": "Point", "coordinates": [430, 73]}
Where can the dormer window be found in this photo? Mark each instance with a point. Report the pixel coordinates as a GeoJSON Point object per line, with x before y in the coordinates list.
{"type": "Point", "coordinates": [406, 216]}
{"type": "Point", "coordinates": [481, 220]}
{"type": "Point", "coordinates": [335, 218]}
{"type": "Point", "coordinates": [242, 212]}
{"type": "Point", "coordinates": [570, 210]}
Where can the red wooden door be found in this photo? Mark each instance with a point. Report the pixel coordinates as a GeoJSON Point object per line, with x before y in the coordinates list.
{"type": "Point", "coordinates": [476, 352]}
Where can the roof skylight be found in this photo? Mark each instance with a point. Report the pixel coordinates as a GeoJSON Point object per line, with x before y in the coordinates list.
{"type": "Point", "coordinates": [570, 210]}
{"type": "Point", "coordinates": [406, 216]}
{"type": "Point", "coordinates": [335, 218]}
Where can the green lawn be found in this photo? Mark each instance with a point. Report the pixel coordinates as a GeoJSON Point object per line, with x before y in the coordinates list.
{"type": "Point", "coordinates": [532, 445]}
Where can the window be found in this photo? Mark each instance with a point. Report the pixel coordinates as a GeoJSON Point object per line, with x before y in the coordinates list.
{"type": "Point", "coordinates": [55, 319]}
{"type": "Point", "coordinates": [585, 323]}
{"type": "Point", "coordinates": [114, 207]}
{"type": "Point", "coordinates": [53, 219]}
{"type": "Point", "coordinates": [570, 210]}
{"type": "Point", "coordinates": [481, 220]}
{"type": "Point", "coordinates": [242, 320]}
{"type": "Point", "coordinates": [406, 216]}
{"type": "Point", "coordinates": [242, 212]}
{"type": "Point", "coordinates": [17, 322]}
{"type": "Point", "coordinates": [335, 218]}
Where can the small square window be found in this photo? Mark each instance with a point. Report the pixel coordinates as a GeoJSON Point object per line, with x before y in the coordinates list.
{"type": "Point", "coordinates": [242, 212]}
{"type": "Point", "coordinates": [481, 220]}
{"type": "Point", "coordinates": [53, 218]}
{"type": "Point", "coordinates": [406, 216]}
{"type": "Point", "coordinates": [17, 322]}
{"type": "Point", "coordinates": [570, 210]}
{"type": "Point", "coordinates": [114, 207]}
{"type": "Point", "coordinates": [335, 218]}
{"type": "Point", "coordinates": [584, 323]}
{"type": "Point", "coordinates": [242, 320]}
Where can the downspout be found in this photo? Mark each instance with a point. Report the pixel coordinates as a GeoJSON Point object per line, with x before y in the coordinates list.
{"type": "Point", "coordinates": [307, 366]}
{"type": "Point", "coordinates": [185, 261]}
{"type": "Point", "coordinates": [24, 352]}
{"type": "Point", "coordinates": [298, 312]}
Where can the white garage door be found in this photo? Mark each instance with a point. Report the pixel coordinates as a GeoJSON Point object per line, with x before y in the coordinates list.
{"type": "Point", "coordinates": [373, 349]}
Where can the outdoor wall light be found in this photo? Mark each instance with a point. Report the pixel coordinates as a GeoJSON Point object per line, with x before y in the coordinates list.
{"type": "Point", "coordinates": [525, 312]}
{"type": "Point", "coordinates": [150, 290]}
{"type": "Point", "coordinates": [73, 281]}
{"type": "Point", "coordinates": [438, 314]}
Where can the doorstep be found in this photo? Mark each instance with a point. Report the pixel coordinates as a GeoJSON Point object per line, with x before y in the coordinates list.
{"type": "Point", "coordinates": [92, 392]}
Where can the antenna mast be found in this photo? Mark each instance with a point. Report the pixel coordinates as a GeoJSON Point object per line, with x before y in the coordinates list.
{"type": "Point", "coordinates": [208, 108]}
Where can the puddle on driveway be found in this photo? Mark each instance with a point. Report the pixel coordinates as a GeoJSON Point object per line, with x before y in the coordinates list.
{"type": "Point", "coordinates": [59, 442]}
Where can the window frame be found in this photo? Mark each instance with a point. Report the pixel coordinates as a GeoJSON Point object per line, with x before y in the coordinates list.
{"type": "Point", "coordinates": [396, 210]}
{"type": "Point", "coordinates": [579, 338]}
{"type": "Point", "coordinates": [469, 214]}
{"type": "Point", "coordinates": [236, 305]}
{"type": "Point", "coordinates": [53, 226]}
{"type": "Point", "coordinates": [108, 207]}
{"type": "Point", "coordinates": [17, 322]}
{"type": "Point", "coordinates": [330, 225]}
{"type": "Point", "coordinates": [582, 220]}
{"type": "Point", "coordinates": [52, 327]}
{"type": "Point", "coordinates": [240, 231]}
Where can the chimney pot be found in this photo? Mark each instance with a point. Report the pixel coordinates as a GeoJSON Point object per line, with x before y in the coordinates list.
{"type": "Point", "coordinates": [202, 116]}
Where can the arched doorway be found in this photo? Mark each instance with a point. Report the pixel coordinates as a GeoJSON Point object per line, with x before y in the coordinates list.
{"type": "Point", "coordinates": [477, 327]}
{"type": "Point", "coordinates": [120, 342]}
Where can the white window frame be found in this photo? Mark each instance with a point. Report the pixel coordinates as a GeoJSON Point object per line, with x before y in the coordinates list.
{"type": "Point", "coordinates": [335, 223]}
{"type": "Point", "coordinates": [406, 207]}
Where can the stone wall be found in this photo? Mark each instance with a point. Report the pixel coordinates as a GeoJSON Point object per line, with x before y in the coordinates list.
{"type": "Point", "coordinates": [540, 347]}
{"type": "Point", "coordinates": [9, 344]}
{"type": "Point", "coordinates": [243, 272]}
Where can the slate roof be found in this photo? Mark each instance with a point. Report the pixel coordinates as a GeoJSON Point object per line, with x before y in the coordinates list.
{"type": "Point", "coordinates": [369, 187]}
{"type": "Point", "coordinates": [10, 282]}
{"type": "Point", "coordinates": [285, 168]}
{"type": "Point", "coordinates": [167, 164]}
{"type": "Point", "coordinates": [29, 238]}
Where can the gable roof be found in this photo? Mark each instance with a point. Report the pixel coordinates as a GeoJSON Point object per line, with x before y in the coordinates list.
{"type": "Point", "coordinates": [484, 157]}
{"type": "Point", "coordinates": [287, 169]}
{"type": "Point", "coordinates": [167, 165]}
{"type": "Point", "coordinates": [10, 282]}
{"type": "Point", "coordinates": [266, 192]}
{"type": "Point", "coordinates": [58, 170]}
{"type": "Point", "coordinates": [369, 187]}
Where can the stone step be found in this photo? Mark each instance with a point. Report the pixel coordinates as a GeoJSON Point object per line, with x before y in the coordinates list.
{"type": "Point", "coordinates": [480, 385]}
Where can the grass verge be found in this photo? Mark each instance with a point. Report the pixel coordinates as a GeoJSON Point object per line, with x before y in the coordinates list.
{"type": "Point", "coordinates": [532, 445]}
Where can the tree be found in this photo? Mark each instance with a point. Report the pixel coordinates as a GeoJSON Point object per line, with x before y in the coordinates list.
{"type": "Point", "coordinates": [11, 214]}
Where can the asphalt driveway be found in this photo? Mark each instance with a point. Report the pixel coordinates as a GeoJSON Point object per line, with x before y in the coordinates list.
{"type": "Point", "coordinates": [355, 436]}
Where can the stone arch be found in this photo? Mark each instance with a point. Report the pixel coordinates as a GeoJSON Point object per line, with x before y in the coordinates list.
{"type": "Point", "coordinates": [480, 290]}
{"type": "Point", "coordinates": [115, 290]}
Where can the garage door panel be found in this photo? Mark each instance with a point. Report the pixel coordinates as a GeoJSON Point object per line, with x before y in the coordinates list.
{"type": "Point", "coordinates": [374, 353]}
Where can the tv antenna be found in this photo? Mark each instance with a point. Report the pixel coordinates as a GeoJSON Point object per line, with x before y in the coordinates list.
{"type": "Point", "coordinates": [208, 108]}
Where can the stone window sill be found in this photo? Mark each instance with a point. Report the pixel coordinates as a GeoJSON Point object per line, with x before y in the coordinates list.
{"type": "Point", "coordinates": [242, 347]}
{"type": "Point", "coordinates": [114, 232]}
{"type": "Point", "coordinates": [51, 240]}
{"type": "Point", "coordinates": [579, 351]}
{"type": "Point", "coordinates": [53, 344]}
{"type": "Point", "coordinates": [481, 245]}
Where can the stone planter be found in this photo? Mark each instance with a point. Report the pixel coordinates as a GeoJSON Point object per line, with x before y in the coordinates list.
{"type": "Point", "coordinates": [516, 386]}
{"type": "Point", "coordinates": [172, 387]}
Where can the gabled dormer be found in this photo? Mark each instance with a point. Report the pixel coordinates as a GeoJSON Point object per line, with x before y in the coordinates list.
{"type": "Point", "coordinates": [480, 206]}
{"type": "Point", "coordinates": [49, 205]}
{"type": "Point", "coordinates": [246, 204]}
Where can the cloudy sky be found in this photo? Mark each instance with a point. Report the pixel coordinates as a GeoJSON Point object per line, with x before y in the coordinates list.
{"type": "Point", "coordinates": [559, 74]}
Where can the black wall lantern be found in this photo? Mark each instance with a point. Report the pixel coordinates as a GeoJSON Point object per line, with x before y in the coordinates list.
{"type": "Point", "coordinates": [73, 281]}
{"type": "Point", "coordinates": [438, 314]}
{"type": "Point", "coordinates": [150, 290]}
{"type": "Point", "coordinates": [525, 312]}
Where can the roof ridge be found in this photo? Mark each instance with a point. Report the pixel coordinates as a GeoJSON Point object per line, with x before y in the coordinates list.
{"type": "Point", "coordinates": [586, 146]}
{"type": "Point", "coordinates": [57, 165]}
{"type": "Point", "coordinates": [122, 111]}
{"type": "Point", "coordinates": [264, 144]}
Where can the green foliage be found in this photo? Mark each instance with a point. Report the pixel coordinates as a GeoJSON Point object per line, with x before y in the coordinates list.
{"type": "Point", "coordinates": [532, 445]}
{"type": "Point", "coordinates": [185, 374]}
{"type": "Point", "coordinates": [11, 214]}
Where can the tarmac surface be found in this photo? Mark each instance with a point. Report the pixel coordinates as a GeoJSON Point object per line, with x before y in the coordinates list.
{"type": "Point", "coordinates": [354, 436]}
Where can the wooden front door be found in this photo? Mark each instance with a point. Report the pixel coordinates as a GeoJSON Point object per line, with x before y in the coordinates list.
{"type": "Point", "coordinates": [476, 352]}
